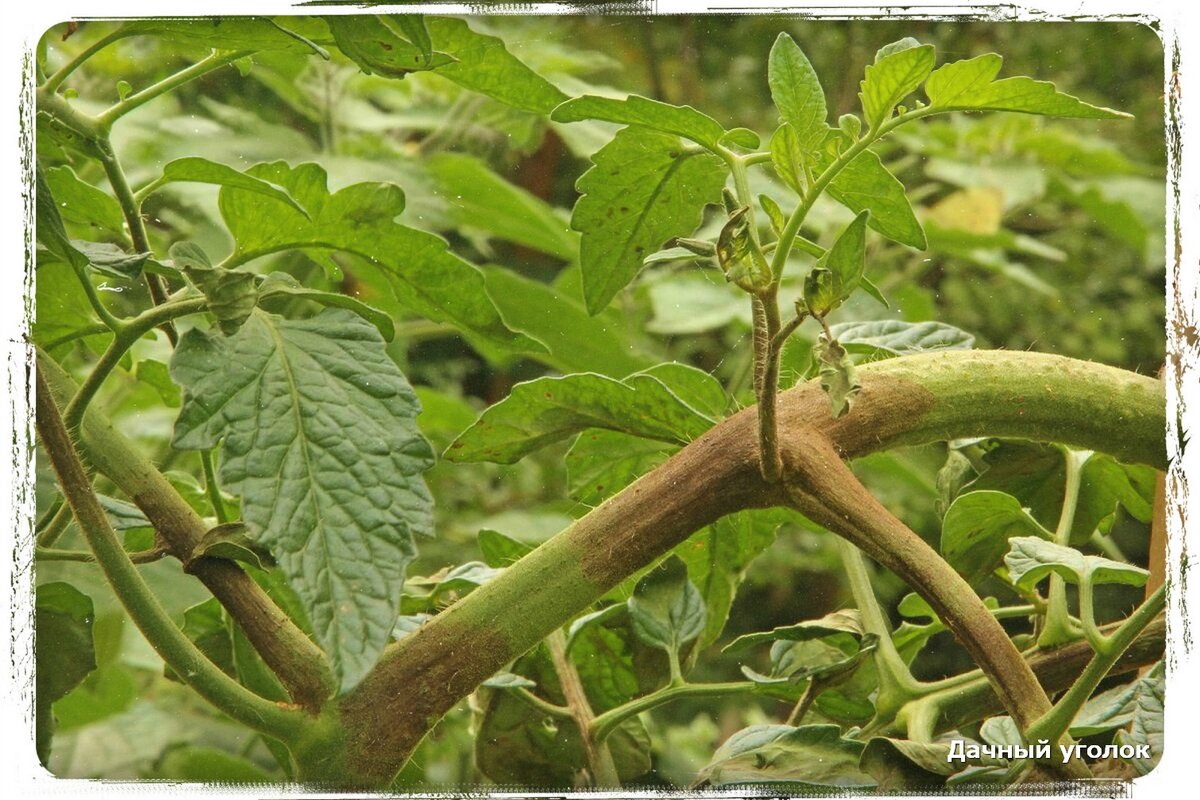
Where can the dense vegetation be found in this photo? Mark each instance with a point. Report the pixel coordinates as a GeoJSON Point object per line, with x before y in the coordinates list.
{"type": "Point", "coordinates": [340, 320]}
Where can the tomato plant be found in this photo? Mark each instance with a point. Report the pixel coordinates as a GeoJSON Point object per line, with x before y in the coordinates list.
{"type": "Point", "coordinates": [251, 374]}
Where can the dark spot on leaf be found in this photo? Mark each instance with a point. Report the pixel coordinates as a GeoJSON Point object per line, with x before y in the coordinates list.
{"type": "Point", "coordinates": [385, 46]}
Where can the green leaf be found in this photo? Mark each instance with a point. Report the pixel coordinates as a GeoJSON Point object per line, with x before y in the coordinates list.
{"type": "Point", "coordinates": [584, 622]}
{"type": "Point", "coordinates": [406, 269]}
{"type": "Point", "coordinates": [843, 628]}
{"type": "Point", "coordinates": [839, 378]}
{"type": "Point", "coordinates": [977, 528]}
{"type": "Point", "coordinates": [200, 170]}
{"type": "Point", "coordinates": [643, 189]}
{"type": "Point", "coordinates": [970, 85]}
{"type": "Point", "coordinates": [121, 515]}
{"type": "Point", "coordinates": [227, 33]}
{"type": "Point", "coordinates": [865, 184]}
{"type": "Point", "coordinates": [414, 29]}
{"type": "Point", "coordinates": [281, 284]}
{"type": "Point", "coordinates": [666, 610]}
{"type": "Point", "coordinates": [499, 550]}
{"type": "Point", "coordinates": [340, 421]}
{"type": "Point", "coordinates": [682, 121]}
{"type": "Point", "coordinates": [895, 337]}
{"type": "Point", "coordinates": [83, 204]}
{"type": "Point", "coordinates": [900, 764]}
{"type": "Point", "coordinates": [790, 159]}
{"type": "Point", "coordinates": [575, 340]}
{"type": "Point", "coordinates": [539, 412]}
{"type": "Point", "coordinates": [1110, 709]}
{"type": "Point", "coordinates": [844, 262]}
{"type": "Point", "coordinates": [111, 260]}
{"type": "Point", "coordinates": [603, 462]}
{"type": "Point", "coordinates": [797, 93]}
{"type": "Point", "coordinates": [894, 76]}
{"type": "Point", "coordinates": [372, 44]}
{"type": "Point", "coordinates": [1036, 475]}
{"type": "Point", "coordinates": [1146, 727]}
{"type": "Point", "coordinates": [478, 198]}
{"type": "Point", "coordinates": [231, 541]}
{"type": "Point", "coordinates": [508, 680]}
{"type": "Point", "coordinates": [208, 765]}
{"type": "Point", "coordinates": [718, 556]}
{"type": "Point", "coordinates": [483, 64]}
{"type": "Point", "coordinates": [744, 138]}
{"type": "Point", "coordinates": [1031, 559]}
{"type": "Point", "coordinates": [232, 296]}
{"type": "Point", "coordinates": [741, 259]}
{"type": "Point", "coordinates": [65, 653]}
{"type": "Point", "coordinates": [808, 756]}
{"type": "Point", "coordinates": [51, 233]}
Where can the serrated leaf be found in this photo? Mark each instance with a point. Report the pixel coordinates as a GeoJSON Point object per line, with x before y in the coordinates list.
{"type": "Point", "coordinates": [483, 64]}
{"type": "Point", "coordinates": [546, 410]}
{"type": "Point", "coordinates": [970, 85]}
{"type": "Point", "coordinates": [865, 184]}
{"type": "Point", "coordinates": [808, 756]}
{"type": "Point", "coordinates": [200, 170]}
{"type": "Point", "coordinates": [643, 189]}
{"type": "Point", "coordinates": [839, 378]}
{"type": "Point", "coordinates": [315, 417]}
{"type": "Point", "coordinates": [797, 93]}
{"type": "Point", "coordinates": [666, 610]}
{"type": "Point", "coordinates": [894, 337]}
{"type": "Point", "coordinates": [682, 121]}
{"type": "Point", "coordinates": [50, 231]}
{"type": "Point", "coordinates": [406, 269]}
{"type": "Point", "coordinates": [1031, 559]}
{"type": "Point", "coordinates": [894, 76]}
{"type": "Point", "coordinates": [977, 528]}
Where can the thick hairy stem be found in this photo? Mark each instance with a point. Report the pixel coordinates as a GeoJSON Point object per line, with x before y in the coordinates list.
{"type": "Point", "coordinates": [822, 487]}
{"type": "Point", "coordinates": [142, 606]}
{"type": "Point", "coordinates": [905, 401]}
{"type": "Point", "coordinates": [295, 659]}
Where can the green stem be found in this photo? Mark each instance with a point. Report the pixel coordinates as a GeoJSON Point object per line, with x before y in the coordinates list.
{"type": "Point", "coordinates": [54, 527]}
{"type": "Point", "coordinates": [544, 706]}
{"type": "Point", "coordinates": [601, 766]}
{"type": "Point", "coordinates": [93, 298]}
{"type": "Point", "coordinates": [607, 722]}
{"type": "Point", "coordinates": [802, 705]}
{"type": "Point", "coordinates": [202, 67]}
{"type": "Point", "coordinates": [143, 607]}
{"type": "Point", "coordinates": [211, 488]}
{"type": "Point", "coordinates": [139, 197]}
{"type": "Point", "coordinates": [1087, 614]}
{"type": "Point", "coordinates": [1059, 628]}
{"type": "Point", "coordinates": [792, 228]}
{"type": "Point", "coordinates": [770, 461]}
{"type": "Point", "coordinates": [1056, 723]}
{"type": "Point", "coordinates": [54, 81]}
{"type": "Point", "coordinates": [896, 683]}
{"type": "Point", "coordinates": [129, 333]}
{"type": "Point", "coordinates": [84, 557]}
{"type": "Point", "coordinates": [81, 333]}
